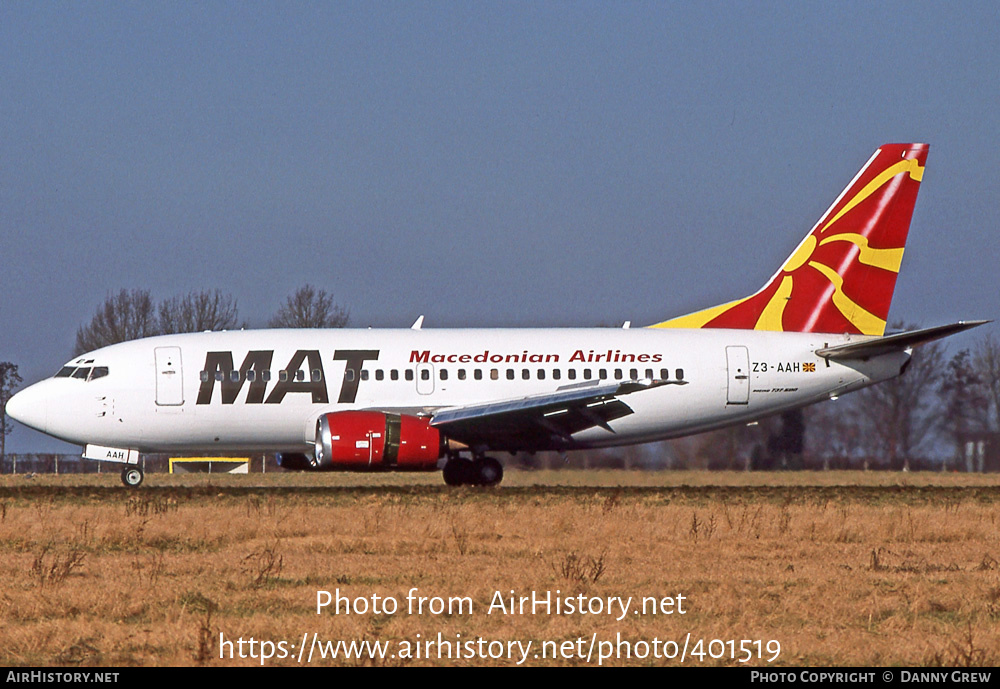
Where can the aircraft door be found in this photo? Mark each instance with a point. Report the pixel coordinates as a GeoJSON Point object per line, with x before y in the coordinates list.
{"type": "Point", "coordinates": [425, 378]}
{"type": "Point", "coordinates": [169, 378]}
{"type": "Point", "coordinates": [738, 365]}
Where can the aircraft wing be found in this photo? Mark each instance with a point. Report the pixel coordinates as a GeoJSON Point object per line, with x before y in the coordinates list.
{"type": "Point", "coordinates": [894, 343]}
{"type": "Point", "coordinates": [547, 420]}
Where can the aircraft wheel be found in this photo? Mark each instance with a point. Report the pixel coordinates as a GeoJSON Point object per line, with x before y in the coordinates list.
{"type": "Point", "coordinates": [132, 476]}
{"type": "Point", "coordinates": [489, 472]}
{"type": "Point", "coordinates": [457, 472]}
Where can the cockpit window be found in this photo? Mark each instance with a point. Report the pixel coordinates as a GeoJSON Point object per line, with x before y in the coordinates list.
{"type": "Point", "coordinates": [83, 372]}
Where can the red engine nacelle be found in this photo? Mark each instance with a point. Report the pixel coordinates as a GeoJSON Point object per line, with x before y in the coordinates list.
{"type": "Point", "coordinates": [376, 441]}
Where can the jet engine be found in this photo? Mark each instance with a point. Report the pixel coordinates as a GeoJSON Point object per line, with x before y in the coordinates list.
{"type": "Point", "coordinates": [376, 441]}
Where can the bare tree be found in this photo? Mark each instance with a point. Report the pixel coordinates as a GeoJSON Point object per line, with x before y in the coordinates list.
{"type": "Point", "coordinates": [966, 399]}
{"type": "Point", "coordinates": [198, 311]}
{"type": "Point", "coordinates": [9, 378]}
{"type": "Point", "coordinates": [833, 432]}
{"type": "Point", "coordinates": [986, 358]}
{"type": "Point", "coordinates": [309, 308]}
{"type": "Point", "coordinates": [786, 442]}
{"type": "Point", "coordinates": [898, 417]}
{"type": "Point", "coordinates": [127, 315]}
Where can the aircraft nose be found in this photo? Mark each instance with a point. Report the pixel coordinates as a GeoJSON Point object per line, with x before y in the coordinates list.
{"type": "Point", "coordinates": [30, 407]}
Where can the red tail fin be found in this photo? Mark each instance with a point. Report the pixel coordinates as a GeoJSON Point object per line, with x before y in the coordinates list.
{"type": "Point", "coordinates": [841, 277]}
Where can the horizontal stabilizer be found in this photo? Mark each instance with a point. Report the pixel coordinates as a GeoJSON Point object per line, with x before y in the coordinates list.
{"type": "Point", "coordinates": [894, 343]}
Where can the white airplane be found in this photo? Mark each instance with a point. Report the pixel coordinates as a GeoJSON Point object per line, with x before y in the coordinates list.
{"type": "Point", "coordinates": [416, 400]}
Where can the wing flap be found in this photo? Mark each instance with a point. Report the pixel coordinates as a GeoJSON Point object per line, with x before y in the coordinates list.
{"type": "Point", "coordinates": [541, 421]}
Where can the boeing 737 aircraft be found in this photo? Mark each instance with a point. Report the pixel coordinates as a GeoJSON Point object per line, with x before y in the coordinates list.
{"type": "Point", "coordinates": [416, 400]}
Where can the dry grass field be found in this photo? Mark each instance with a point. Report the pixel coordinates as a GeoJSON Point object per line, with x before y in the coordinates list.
{"type": "Point", "coordinates": [839, 568]}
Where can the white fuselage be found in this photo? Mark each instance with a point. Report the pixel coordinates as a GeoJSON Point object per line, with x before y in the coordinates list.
{"type": "Point", "coordinates": [165, 393]}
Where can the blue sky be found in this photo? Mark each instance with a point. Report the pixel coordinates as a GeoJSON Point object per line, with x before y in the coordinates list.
{"type": "Point", "coordinates": [485, 164]}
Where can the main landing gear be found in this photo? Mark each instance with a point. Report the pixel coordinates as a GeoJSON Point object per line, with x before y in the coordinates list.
{"type": "Point", "coordinates": [478, 471]}
{"type": "Point", "coordinates": [132, 476]}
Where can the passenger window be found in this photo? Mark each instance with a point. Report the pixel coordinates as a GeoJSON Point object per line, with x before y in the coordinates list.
{"type": "Point", "coordinates": [425, 374]}
{"type": "Point", "coordinates": [317, 375]}
{"type": "Point", "coordinates": [541, 374]}
{"type": "Point", "coordinates": [618, 374]}
{"type": "Point", "coordinates": [634, 374]}
{"type": "Point", "coordinates": [379, 374]}
{"type": "Point", "coordinates": [265, 375]}
{"type": "Point", "coordinates": [461, 374]}
{"type": "Point", "coordinates": [556, 374]}
{"type": "Point", "coordinates": [394, 374]}
{"type": "Point", "coordinates": [300, 376]}
{"type": "Point", "coordinates": [251, 376]}
{"type": "Point", "coordinates": [364, 374]}
{"type": "Point", "coordinates": [444, 374]}
{"type": "Point", "coordinates": [204, 376]}
{"type": "Point", "coordinates": [664, 374]}
{"type": "Point", "coordinates": [234, 376]}
{"type": "Point", "coordinates": [349, 374]}
{"type": "Point", "coordinates": [603, 373]}
{"type": "Point", "coordinates": [283, 376]}
{"type": "Point", "coordinates": [409, 374]}
{"type": "Point", "coordinates": [478, 374]}
{"type": "Point", "coordinates": [525, 374]}
{"type": "Point", "coordinates": [680, 373]}
{"type": "Point", "coordinates": [219, 376]}
{"type": "Point", "coordinates": [586, 374]}
{"type": "Point", "coordinates": [494, 374]}
{"type": "Point", "coordinates": [571, 374]}
{"type": "Point", "coordinates": [649, 373]}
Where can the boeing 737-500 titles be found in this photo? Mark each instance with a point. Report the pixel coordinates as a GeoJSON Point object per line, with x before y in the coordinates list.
{"type": "Point", "coordinates": [424, 399]}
